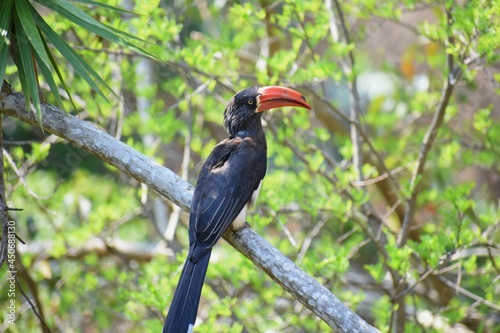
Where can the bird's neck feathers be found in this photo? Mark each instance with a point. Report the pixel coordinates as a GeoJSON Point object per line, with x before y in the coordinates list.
{"type": "Point", "coordinates": [243, 125]}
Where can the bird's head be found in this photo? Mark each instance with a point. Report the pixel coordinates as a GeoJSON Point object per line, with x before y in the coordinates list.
{"type": "Point", "coordinates": [244, 109]}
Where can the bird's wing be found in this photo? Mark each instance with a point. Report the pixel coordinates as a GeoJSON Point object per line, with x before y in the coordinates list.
{"type": "Point", "coordinates": [227, 180]}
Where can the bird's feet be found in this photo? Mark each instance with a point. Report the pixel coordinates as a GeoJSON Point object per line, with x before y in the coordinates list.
{"type": "Point", "coordinates": [245, 225]}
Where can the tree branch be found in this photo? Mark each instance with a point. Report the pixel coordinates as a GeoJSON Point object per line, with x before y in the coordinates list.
{"type": "Point", "coordinates": [102, 247]}
{"type": "Point", "coordinates": [355, 109]}
{"type": "Point", "coordinates": [398, 316]}
{"type": "Point", "coordinates": [416, 183]}
{"type": "Point", "coordinates": [281, 269]}
{"type": "Point", "coordinates": [3, 204]}
{"type": "Point", "coordinates": [8, 248]}
{"type": "Point", "coordinates": [36, 307]}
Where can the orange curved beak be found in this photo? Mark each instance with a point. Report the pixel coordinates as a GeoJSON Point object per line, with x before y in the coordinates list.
{"type": "Point", "coordinates": [275, 97]}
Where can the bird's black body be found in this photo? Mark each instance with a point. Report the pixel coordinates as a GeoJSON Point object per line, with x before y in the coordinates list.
{"type": "Point", "coordinates": [227, 182]}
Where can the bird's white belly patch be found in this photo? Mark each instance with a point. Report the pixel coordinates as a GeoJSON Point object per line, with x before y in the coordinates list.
{"type": "Point", "coordinates": [239, 221]}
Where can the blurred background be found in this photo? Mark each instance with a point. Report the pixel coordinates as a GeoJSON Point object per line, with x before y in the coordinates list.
{"type": "Point", "coordinates": [387, 192]}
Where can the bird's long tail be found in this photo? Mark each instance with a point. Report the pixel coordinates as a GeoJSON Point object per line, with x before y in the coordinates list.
{"type": "Point", "coordinates": [184, 307]}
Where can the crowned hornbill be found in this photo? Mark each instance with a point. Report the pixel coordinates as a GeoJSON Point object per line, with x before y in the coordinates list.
{"type": "Point", "coordinates": [228, 183]}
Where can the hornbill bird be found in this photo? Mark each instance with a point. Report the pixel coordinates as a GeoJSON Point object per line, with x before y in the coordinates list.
{"type": "Point", "coordinates": [228, 184]}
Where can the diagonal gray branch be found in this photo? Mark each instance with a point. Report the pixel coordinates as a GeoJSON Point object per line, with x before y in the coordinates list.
{"type": "Point", "coordinates": [281, 269]}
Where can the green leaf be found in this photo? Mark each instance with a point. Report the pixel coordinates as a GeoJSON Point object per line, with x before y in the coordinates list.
{"type": "Point", "coordinates": [32, 33]}
{"type": "Point", "coordinates": [103, 5]}
{"type": "Point", "coordinates": [126, 34]}
{"type": "Point", "coordinates": [6, 9]}
{"type": "Point", "coordinates": [30, 84]}
{"type": "Point", "coordinates": [376, 270]}
{"type": "Point", "coordinates": [47, 74]}
{"type": "Point", "coordinates": [78, 16]}
{"type": "Point", "coordinates": [80, 66]}
{"type": "Point", "coordinates": [5, 21]}
{"type": "Point", "coordinates": [58, 72]}
{"type": "Point", "coordinates": [22, 79]}
{"type": "Point", "coordinates": [3, 61]}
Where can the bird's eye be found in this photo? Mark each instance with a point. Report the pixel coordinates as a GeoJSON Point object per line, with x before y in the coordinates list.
{"type": "Point", "coordinates": [250, 102]}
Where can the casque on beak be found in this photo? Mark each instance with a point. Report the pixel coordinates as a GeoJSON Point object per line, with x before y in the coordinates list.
{"type": "Point", "coordinates": [275, 97]}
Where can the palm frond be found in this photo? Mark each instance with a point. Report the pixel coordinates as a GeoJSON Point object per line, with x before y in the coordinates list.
{"type": "Point", "coordinates": [25, 32]}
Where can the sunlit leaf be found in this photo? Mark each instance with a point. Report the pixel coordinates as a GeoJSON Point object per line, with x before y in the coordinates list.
{"type": "Point", "coordinates": [79, 17]}
{"type": "Point", "coordinates": [30, 29]}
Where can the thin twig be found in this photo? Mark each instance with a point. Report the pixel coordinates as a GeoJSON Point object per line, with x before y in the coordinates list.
{"type": "Point", "coordinates": [413, 286]}
{"type": "Point", "coordinates": [307, 40]}
{"type": "Point", "coordinates": [358, 217]}
{"type": "Point", "coordinates": [12, 164]}
{"type": "Point", "coordinates": [5, 234]}
{"type": "Point", "coordinates": [101, 247]}
{"type": "Point", "coordinates": [37, 309]}
{"type": "Point", "coordinates": [305, 161]}
{"type": "Point", "coordinates": [3, 204]}
{"type": "Point", "coordinates": [428, 142]}
{"type": "Point", "coordinates": [363, 135]}
{"type": "Point", "coordinates": [467, 293]}
{"type": "Point", "coordinates": [356, 128]}
{"type": "Point", "coordinates": [307, 242]}
{"type": "Point", "coordinates": [173, 221]}
{"type": "Point", "coordinates": [355, 110]}
{"type": "Point", "coordinates": [381, 177]}
{"type": "Point", "coordinates": [36, 198]}
{"type": "Point", "coordinates": [20, 142]}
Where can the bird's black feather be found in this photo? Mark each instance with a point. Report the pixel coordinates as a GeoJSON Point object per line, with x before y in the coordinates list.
{"type": "Point", "coordinates": [227, 180]}
{"type": "Point", "coordinates": [184, 306]}
{"type": "Point", "coordinates": [225, 188]}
